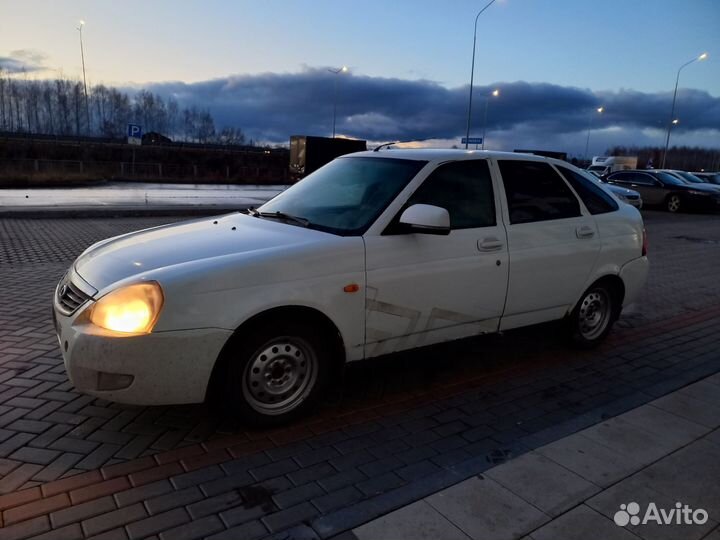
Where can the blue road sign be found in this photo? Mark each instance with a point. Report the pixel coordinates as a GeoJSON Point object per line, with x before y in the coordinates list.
{"type": "Point", "coordinates": [134, 130]}
{"type": "Point", "coordinates": [471, 140]}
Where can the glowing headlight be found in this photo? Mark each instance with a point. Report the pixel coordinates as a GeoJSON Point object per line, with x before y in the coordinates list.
{"type": "Point", "coordinates": [132, 309]}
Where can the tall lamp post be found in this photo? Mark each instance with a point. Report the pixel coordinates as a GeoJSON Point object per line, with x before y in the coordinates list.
{"type": "Point", "coordinates": [587, 141]}
{"type": "Point", "coordinates": [672, 120]}
{"type": "Point", "coordinates": [472, 72]}
{"type": "Point", "coordinates": [336, 72]}
{"type": "Point", "coordinates": [494, 93]}
{"type": "Point", "coordinates": [82, 57]}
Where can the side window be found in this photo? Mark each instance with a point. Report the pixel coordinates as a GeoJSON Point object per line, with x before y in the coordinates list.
{"type": "Point", "coordinates": [644, 179]}
{"type": "Point", "coordinates": [464, 189]}
{"type": "Point", "coordinates": [620, 177]}
{"type": "Point", "coordinates": [596, 200]}
{"type": "Point", "coordinates": [535, 192]}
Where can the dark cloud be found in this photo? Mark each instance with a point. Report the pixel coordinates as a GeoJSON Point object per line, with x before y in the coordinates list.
{"type": "Point", "coordinates": [22, 61]}
{"type": "Point", "coordinates": [272, 106]}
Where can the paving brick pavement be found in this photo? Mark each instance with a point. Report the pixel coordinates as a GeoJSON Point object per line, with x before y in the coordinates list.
{"type": "Point", "coordinates": [392, 432]}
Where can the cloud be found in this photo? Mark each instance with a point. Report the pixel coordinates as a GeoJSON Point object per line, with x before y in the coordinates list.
{"type": "Point", "coordinates": [23, 61]}
{"type": "Point", "coordinates": [272, 106]}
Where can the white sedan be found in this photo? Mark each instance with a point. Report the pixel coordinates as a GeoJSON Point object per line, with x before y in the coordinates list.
{"type": "Point", "coordinates": [376, 252]}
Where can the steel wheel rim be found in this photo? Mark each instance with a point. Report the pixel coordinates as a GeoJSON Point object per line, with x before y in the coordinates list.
{"type": "Point", "coordinates": [594, 315]}
{"type": "Point", "coordinates": [674, 203]}
{"type": "Point", "coordinates": [280, 375]}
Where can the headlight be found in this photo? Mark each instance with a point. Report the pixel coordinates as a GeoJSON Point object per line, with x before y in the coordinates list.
{"type": "Point", "coordinates": [132, 309]}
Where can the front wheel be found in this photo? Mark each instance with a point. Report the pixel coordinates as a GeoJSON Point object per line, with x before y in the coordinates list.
{"type": "Point", "coordinates": [673, 203]}
{"type": "Point", "coordinates": [276, 374]}
{"type": "Point", "coordinates": [594, 315]}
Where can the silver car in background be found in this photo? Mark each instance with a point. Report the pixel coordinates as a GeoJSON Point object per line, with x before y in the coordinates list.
{"type": "Point", "coordinates": [628, 196]}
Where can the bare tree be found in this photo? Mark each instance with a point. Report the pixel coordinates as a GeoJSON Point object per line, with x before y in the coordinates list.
{"type": "Point", "coordinates": [3, 124]}
{"type": "Point", "coordinates": [57, 107]}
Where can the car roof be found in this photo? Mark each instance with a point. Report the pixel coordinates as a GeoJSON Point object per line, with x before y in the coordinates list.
{"type": "Point", "coordinates": [446, 154]}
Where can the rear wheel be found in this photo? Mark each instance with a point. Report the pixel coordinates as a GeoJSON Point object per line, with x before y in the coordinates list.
{"type": "Point", "coordinates": [594, 315]}
{"type": "Point", "coordinates": [276, 374]}
{"type": "Point", "coordinates": [674, 203]}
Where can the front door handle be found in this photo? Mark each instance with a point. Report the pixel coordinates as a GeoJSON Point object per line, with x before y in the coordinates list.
{"type": "Point", "coordinates": [489, 244]}
{"type": "Point", "coordinates": [584, 232]}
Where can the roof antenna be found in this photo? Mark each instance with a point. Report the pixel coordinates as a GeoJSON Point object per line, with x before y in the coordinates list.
{"type": "Point", "coordinates": [377, 148]}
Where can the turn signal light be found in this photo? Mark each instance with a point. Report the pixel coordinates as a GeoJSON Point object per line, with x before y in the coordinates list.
{"type": "Point", "coordinates": [353, 287]}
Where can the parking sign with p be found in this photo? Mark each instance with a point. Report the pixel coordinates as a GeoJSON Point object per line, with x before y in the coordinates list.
{"type": "Point", "coordinates": [134, 134]}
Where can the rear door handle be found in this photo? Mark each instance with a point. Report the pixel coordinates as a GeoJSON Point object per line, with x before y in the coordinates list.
{"type": "Point", "coordinates": [584, 232]}
{"type": "Point", "coordinates": [489, 244]}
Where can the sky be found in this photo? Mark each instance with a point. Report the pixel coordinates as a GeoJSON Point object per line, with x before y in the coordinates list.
{"type": "Point", "coordinates": [554, 61]}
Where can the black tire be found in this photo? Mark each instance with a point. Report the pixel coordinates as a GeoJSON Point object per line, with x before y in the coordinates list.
{"type": "Point", "coordinates": [275, 372]}
{"type": "Point", "coordinates": [594, 315]}
{"type": "Point", "coordinates": [673, 203]}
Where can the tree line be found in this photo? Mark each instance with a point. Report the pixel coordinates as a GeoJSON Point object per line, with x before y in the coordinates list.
{"type": "Point", "coordinates": [689, 158]}
{"type": "Point", "coordinates": [60, 107]}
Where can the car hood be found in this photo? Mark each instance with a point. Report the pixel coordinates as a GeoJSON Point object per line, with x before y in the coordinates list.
{"type": "Point", "coordinates": [136, 253]}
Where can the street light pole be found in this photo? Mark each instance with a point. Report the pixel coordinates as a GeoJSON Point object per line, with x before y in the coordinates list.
{"type": "Point", "coordinates": [495, 93]}
{"type": "Point", "coordinates": [587, 141]}
{"type": "Point", "coordinates": [703, 56]}
{"type": "Point", "coordinates": [336, 72]}
{"type": "Point", "coordinates": [472, 72]}
{"type": "Point", "coordinates": [82, 57]}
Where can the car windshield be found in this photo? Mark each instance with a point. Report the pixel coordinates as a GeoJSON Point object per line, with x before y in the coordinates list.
{"type": "Point", "coordinates": [668, 178]}
{"type": "Point", "coordinates": [347, 195]}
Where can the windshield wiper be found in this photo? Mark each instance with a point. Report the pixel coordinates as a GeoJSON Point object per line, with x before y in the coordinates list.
{"type": "Point", "coordinates": [280, 215]}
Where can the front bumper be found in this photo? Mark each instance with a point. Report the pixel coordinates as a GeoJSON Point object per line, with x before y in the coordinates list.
{"type": "Point", "coordinates": [161, 368]}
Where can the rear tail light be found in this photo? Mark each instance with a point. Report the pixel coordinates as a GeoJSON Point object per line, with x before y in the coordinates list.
{"type": "Point", "coordinates": [645, 243]}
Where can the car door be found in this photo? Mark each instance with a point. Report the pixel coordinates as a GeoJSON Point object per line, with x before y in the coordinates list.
{"type": "Point", "coordinates": [553, 243]}
{"type": "Point", "coordinates": [649, 188]}
{"type": "Point", "coordinates": [424, 288]}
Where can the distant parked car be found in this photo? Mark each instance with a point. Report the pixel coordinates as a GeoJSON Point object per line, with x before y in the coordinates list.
{"type": "Point", "coordinates": [376, 252]}
{"type": "Point", "coordinates": [628, 196]}
{"type": "Point", "coordinates": [659, 188]}
{"type": "Point", "coordinates": [690, 178]}
{"type": "Point", "coordinates": [711, 177]}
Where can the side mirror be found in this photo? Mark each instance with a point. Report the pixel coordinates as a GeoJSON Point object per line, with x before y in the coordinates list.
{"type": "Point", "coordinates": [426, 219]}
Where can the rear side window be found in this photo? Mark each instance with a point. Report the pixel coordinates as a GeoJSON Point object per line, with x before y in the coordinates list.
{"type": "Point", "coordinates": [642, 179]}
{"type": "Point", "coordinates": [535, 192]}
{"type": "Point", "coordinates": [620, 177]}
{"type": "Point", "coordinates": [464, 189]}
{"type": "Point", "coordinates": [596, 200]}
